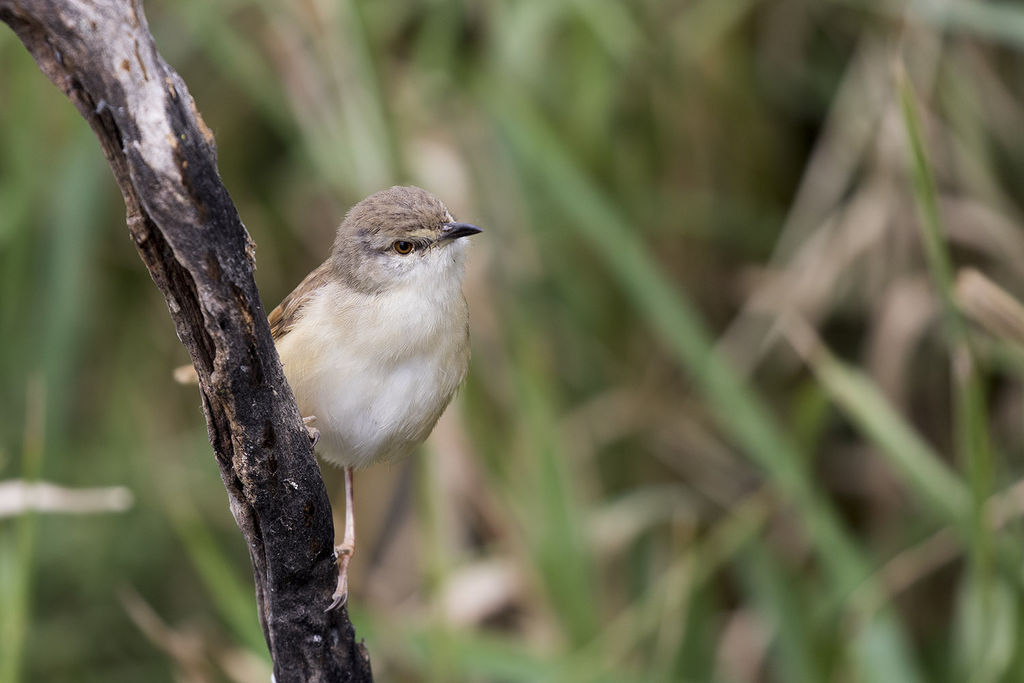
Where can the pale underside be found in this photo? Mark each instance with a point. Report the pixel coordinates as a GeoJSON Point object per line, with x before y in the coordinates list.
{"type": "Point", "coordinates": [377, 370]}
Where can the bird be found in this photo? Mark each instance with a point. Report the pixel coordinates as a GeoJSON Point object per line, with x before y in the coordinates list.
{"type": "Point", "coordinates": [374, 342]}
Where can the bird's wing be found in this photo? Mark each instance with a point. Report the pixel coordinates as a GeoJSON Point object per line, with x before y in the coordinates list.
{"type": "Point", "coordinates": [283, 318]}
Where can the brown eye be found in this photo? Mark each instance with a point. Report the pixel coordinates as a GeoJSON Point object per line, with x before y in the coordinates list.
{"type": "Point", "coordinates": [403, 247]}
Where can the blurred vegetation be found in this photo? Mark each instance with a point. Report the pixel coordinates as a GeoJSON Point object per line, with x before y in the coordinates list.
{"type": "Point", "coordinates": [738, 410]}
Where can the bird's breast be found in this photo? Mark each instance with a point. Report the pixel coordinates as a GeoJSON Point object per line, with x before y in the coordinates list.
{"type": "Point", "coordinates": [376, 371]}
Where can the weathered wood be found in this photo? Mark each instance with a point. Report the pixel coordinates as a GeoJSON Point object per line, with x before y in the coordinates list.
{"type": "Point", "coordinates": [186, 228]}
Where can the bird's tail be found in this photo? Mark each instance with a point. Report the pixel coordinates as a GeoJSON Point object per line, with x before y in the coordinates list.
{"type": "Point", "coordinates": [186, 374]}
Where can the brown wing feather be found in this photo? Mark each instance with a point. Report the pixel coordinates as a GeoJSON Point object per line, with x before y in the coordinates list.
{"type": "Point", "coordinates": [283, 318]}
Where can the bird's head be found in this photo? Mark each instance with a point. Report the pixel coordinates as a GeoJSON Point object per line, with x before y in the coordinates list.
{"type": "Point", "coordinates": [402, 236]}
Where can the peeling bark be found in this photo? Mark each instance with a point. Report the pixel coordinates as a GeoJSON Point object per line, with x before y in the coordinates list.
{"type": "Point", "coordinates": [187, 231]}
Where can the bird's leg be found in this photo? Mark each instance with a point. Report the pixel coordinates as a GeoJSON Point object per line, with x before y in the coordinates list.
{"type": "Point", "coordinates": [348, 545]}
{"type": "Point", "coordinates": [314, 433]}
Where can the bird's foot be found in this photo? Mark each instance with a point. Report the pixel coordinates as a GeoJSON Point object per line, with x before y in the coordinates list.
{"type": "Point", "coordinates": [343, 553]}
{"type": "Point", "coordinates": [313, 432]}
{"type": "Point", "coordinates": [340, 597]}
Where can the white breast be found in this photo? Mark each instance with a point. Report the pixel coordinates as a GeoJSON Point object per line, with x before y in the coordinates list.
{"type": "Point", "coordinates": [376, 370]}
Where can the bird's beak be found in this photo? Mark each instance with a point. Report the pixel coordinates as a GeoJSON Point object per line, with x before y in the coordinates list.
{"type": "Point", "coordinates": [451, 231]}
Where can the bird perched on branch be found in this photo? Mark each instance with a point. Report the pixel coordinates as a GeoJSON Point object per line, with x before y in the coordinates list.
{"type": "Point", "coordinates": [375, 341]}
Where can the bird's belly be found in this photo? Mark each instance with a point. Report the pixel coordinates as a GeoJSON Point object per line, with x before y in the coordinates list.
{"type": "Point", "coordinates": [377, 372]}
{"type": "Point", "coordinates": [369, 410]}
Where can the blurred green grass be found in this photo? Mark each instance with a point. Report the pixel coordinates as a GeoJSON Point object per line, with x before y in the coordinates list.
{"type": "Point", "coordinates": [726, 418]}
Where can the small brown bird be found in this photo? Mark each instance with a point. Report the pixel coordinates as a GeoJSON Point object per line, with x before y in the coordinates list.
{"type": "Point", "coordinates": [375, 341]}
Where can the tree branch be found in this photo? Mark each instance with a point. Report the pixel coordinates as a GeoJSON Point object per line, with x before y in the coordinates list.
{"type": "Point", "coordinates": [187, 231]}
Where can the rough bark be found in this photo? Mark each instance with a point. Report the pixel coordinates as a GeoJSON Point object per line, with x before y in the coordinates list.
{"type": "Point", "coordinates": [101, 55]}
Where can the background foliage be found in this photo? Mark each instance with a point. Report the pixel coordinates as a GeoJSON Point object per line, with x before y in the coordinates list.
{"type": "Point", "coordinates": [745, 402]}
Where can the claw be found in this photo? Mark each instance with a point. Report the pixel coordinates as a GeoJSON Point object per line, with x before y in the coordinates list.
{"type": "Point", "coordinates": [340, 596]}
{"type": "Point", "coordinates": [313, 432]}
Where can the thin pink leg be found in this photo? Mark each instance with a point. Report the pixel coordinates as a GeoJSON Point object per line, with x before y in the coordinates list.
{"type": "Point", "coordinates": [348, 545]}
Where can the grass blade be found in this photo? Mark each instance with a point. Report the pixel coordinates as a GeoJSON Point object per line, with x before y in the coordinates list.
{"type": "Point", "coordinates": [923, 469]}
{"type": "Point", "coordinates": [969, 403]}
{"type": "Point", "coordinates": [741, 413]}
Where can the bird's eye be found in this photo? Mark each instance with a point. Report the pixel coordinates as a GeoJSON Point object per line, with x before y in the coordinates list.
{"type": "Point", "coordinates": [403, 247]}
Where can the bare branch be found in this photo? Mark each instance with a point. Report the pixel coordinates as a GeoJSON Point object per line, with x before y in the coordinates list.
{"type": "Point", "coordinates": [101, 55]}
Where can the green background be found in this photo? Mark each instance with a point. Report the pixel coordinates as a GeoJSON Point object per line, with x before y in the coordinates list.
{"type": "Point", "coordinates": [711, 431]}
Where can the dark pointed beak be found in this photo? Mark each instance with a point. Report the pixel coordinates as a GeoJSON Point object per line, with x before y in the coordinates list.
{"type": "Point", "coordinates": [451, 231]}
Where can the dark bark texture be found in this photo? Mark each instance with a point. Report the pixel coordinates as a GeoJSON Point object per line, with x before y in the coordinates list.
{"type": "Point", "coordinates": [101, 55]}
